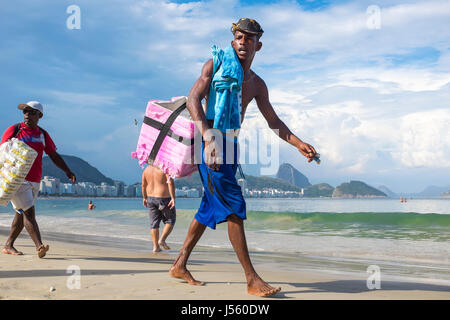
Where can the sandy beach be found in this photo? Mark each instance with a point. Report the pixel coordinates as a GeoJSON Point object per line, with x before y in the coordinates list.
{"type": "Point", "coordinates": [117, 273]}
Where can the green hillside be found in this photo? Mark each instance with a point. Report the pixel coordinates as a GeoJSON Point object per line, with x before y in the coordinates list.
{"type": "Point", "coordinates": [319, 190]}
{"type": "Point", "coordinates": [356, 189]}
{"type": "Point", "coordinates": [82, 170]}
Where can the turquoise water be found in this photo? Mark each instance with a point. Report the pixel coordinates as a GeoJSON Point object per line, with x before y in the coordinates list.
{"type": "Point", "coordinates": [421, 219]}
{"type": "Point", "coordinates": [385, 229]}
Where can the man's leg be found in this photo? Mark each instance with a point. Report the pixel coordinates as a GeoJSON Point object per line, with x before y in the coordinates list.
{"type": "Point", "coordinates": [155, 237]}
{"type": "Point", "coordinates": [16, 229]}
{"type": "Point", "coordinates": [166, 231]}
{"type": "Point", "coordinates": [255, 285]}
{"type": "Point", "coordinates": [29, 219]}
{"type": "Point", "coordinates": [178, 269]}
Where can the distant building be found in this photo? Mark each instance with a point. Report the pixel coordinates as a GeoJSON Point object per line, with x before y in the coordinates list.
{"type": "Point", "coordinates": [120, 186]}
{"type": "Point", "coordinates": [180, 193]}
{"type": "Point", "coordinates": [187, 193]}
{"type": "Point", "coordinates": [130, 191]}
{"type": "Point", "coordinates": [50, 186]}
{"type": "Point", "coordinates": [105, 190]}
{"type": "Point", "coordinates": [192, 193]}
{"type": "Point", "coordinates": [243, 184]}
{"type": "Point", "coordinates": [85, 189]}
{"type": "Point", "coordinates": [67, 189]}
{"type": "Point", "coordinates": [138, 190]}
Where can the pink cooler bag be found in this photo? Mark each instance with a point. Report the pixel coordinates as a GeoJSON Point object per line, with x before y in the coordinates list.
{"type": "Point", "coordinates": [166, 140]}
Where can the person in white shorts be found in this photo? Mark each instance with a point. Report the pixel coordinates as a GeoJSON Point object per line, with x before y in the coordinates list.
{"type": "Point", "coordinates": [25, 198]}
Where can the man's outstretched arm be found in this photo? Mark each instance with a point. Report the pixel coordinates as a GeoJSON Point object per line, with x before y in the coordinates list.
{"type": "Point", "coordinates": [275, 123]}
{"type": "Point", "coordinates": [60, 163]}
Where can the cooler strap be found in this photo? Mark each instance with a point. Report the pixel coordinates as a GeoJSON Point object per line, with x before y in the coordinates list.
{"type": "Point", "coordinates": [163, 133]}
{"type": "Point", "coordinates": [158, 125]}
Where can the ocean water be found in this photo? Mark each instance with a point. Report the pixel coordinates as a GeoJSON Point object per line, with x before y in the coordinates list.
{"type": "Point", "coordinates": [410, 238]}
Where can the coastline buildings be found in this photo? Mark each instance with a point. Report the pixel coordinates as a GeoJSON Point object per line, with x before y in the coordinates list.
{"type": "Point", "coordinates": [187, 193]}
{"type": "Point", "coordinates": [51, 186]}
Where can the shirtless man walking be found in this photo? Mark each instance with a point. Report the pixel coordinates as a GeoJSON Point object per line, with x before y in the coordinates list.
{"type": "Point", "coordinates": [158, 192]}
{"type": "Point", "coordinates": [223, 200]}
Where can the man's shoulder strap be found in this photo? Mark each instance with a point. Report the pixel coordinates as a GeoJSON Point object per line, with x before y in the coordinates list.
{"type": "Point", "coordinates": [16, 129]}
{"type": "Point", "coordinates": [43, 131]}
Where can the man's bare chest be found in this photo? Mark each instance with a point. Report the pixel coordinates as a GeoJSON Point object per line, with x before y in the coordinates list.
{"type": "Point", "coordinates": [248, 94]}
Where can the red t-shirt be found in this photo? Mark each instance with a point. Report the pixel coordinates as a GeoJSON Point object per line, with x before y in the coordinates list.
{"type": "Point", "coordinates": [35, 139]}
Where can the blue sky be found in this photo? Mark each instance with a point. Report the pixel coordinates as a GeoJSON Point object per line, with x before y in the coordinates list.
{"type": "Point", "coordinates": [374, 102]}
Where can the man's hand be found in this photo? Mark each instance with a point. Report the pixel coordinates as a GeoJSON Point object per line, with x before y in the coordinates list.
{"type": "Point", "coordinates": [212, 149]}
{"type": "Point", "coordinates": [171, 204]}
{"type": "Point", "coordinates": [307, 150]}
{"type": "Point", "coordinates": [71, 176]}
{"type": "Point", "coordinates": [144, 202]}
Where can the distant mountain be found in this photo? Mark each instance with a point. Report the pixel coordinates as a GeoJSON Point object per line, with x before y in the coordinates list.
{"type": "Point", "coordinates": [259, 183]}
{"type": "Point", "coordinates": [388, 192]}
{"type": "Point", "coordinates": [433, 191]}
{"type": "Point", "coordinates": [319, 190]}
{"type": "Point", "coordinates": [357, 189]}
{"type": "Point", "coordinates": [288, 173]}
{"type": "Point", "coordinates": [82, 170]}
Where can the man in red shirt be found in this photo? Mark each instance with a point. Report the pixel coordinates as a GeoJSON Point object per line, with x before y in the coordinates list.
{"type": "Point", "coordinates": [25, 198]}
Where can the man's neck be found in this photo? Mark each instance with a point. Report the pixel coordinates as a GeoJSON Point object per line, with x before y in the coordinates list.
{"type": "Point", "coordinates": [246, 66]}
{"type": "Point", "coordinates": [31, 126]}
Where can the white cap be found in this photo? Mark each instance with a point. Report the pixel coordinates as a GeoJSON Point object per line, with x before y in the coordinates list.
{"type": "Point", "coordinates": [32, 104]}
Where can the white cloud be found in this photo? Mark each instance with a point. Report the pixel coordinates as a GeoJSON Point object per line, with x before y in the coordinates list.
{"type": "Point", "coordinates": [425, 139]}
{"type": "Point", "coordinates": [395, 80]}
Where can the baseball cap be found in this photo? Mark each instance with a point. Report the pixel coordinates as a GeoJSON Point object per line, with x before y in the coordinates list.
{"type": "Point", "coordinates": [247, 25]}
{"type": "Point", "coordinates": [32, 104]}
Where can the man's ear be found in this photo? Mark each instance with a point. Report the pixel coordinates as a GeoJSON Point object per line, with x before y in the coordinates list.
{"type": "Point", "coordinates": [40, 115]}
{"type": "Point", "coordinates": [258, 46]}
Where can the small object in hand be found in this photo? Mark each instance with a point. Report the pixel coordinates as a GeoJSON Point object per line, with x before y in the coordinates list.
{"type": "Point", "coordinates": [317, 158]}
{"type": "Point", "coordinates": [52, 289]}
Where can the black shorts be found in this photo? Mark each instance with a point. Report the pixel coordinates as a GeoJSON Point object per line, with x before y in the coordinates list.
{"type": "Point", "coordinates": [159, 211]}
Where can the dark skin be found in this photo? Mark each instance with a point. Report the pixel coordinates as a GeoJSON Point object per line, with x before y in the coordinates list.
{"type": "Point", "coordinates": [28, 218]}
{"type": "Point", "coordinates": [253, 87]}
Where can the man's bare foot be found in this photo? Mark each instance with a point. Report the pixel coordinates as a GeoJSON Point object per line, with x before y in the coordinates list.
{"type": "Point", "coordinates": [156, 249]}
{"type": "Point", "coordinates": [42, 250]}
{"type": "Point", "coordinates": [260, 288]}
{"type": "Point", "coordinates": [12, 251]}
{"type": "Point", "coordinates": [164, 245]}
{"type": "Point", "coordinates": [183, 273]}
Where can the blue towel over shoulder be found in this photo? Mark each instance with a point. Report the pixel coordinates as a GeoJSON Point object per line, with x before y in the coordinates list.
{"type": "Point", "coordinates": [225, 98]}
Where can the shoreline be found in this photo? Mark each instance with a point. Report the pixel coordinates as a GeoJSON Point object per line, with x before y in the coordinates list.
{"type": "Point", "coordinates": [274, 198]}
{"type": "Point", "coordinates": [111, 272]}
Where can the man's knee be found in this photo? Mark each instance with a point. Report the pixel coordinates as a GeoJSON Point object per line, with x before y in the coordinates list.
{"type": "Point", "coordinates": [234, 218]}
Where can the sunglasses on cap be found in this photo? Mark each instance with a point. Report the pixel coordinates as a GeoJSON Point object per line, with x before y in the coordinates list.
{"type": "Point", "coordinates": [33, 112]}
